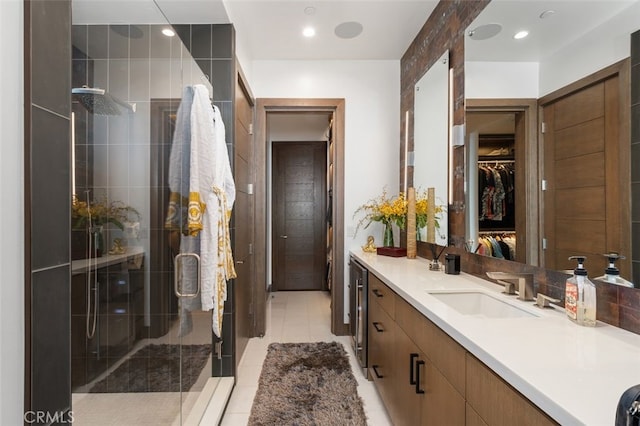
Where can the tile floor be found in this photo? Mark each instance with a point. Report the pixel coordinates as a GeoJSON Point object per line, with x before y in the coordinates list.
{"type": "Point", "coordinates": [295, 317]}
{"type": "Point", "coordinates": [151, 408]}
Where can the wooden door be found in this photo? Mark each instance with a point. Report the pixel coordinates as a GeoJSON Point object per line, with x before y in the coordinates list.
{"type": "Point", "coordinates": [583, 201]}
{"type": "Point", "coordinates": [244, 219]}
{"type": "Point", "coordinates": [299, 212]}
{"type": "Point", "coordinates": [496, 402]}
{"type": "Point", "coordinates": [406, 399]}
{"type": "Point", "coordinates": [440, 403]}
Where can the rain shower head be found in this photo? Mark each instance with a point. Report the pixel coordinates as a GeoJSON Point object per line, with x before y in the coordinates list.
{"type": "Point", "coordinates": [98, 101]}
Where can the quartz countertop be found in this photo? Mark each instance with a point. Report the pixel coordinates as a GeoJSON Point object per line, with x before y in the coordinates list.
{"type": "Point", "coordinates": [575, 374]}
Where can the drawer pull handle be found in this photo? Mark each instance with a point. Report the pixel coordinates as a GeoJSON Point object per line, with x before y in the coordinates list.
{"type": "Point", "coordinates": [377, 292]}
{"type": "Point", "coordinates": [412, 373]}
{"type": "Point", "coordinates": [418, 364]}
{"type": "Point", "coordinates": [376, 325]}
{"type": "Point", "coordinates": [375, 370]}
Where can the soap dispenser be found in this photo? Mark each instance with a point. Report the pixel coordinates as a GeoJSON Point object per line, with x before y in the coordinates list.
{"type": "Point", "coordinates": [580, 295]}
{"type": "Point", "coordinates": [612, 274]}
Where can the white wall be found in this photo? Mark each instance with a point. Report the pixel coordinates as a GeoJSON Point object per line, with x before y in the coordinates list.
{"type": "Point", "coordinates": [11, 214]}
{"type": "Point", "coordinates": [601, 47]}
{"type": "Point", "coordinates": [371, 90]}
{"type": "Point", "coordinates": [486, 80]}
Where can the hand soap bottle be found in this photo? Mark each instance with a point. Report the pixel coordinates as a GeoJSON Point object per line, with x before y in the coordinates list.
{"type": "Point", "coordinates": [612, 274]}
{"type": "Point", "coordinates": [580, 296]}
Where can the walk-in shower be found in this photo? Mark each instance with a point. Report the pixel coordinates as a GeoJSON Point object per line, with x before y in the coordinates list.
{"type": "Point", "coordinates": [125, 319]}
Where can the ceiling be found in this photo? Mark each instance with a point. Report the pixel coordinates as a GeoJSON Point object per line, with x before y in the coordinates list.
{"type": "Point", "coordinates": [570, 20]}
{"type": "Point", "coordinates": [270, 29]}
{"type": "Point", "coordinates": [273, 29]}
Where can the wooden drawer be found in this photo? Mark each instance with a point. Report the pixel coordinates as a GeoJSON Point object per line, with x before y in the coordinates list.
{"type": "Point", "coordinates": [382, 330]}
{"type": "Point", "coordinates": [383, 295]}
{"type": "Point", "coordinates": [445, 353]}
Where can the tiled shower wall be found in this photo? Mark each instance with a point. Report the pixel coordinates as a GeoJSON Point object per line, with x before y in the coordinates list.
{"type": "Point", "coordinates": [47, 206]}
{"type": "Point", "coordinates": [619, 306]}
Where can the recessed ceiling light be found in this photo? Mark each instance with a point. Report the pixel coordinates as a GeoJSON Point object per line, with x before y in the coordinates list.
{"type": "Point", "coordinates": [348, 29]}
{"type": "Point", "coordinates": [168, 32]}
{"type": "Point", "coordinates": [484, 32]}
{"type": "Point", "coordinates": [309, 32]}
{"type": "Point", "coordinates": [521, 34]}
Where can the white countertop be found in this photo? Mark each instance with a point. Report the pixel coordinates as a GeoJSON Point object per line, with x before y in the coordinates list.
{"type": "Point", "coordinates": [575, 374]}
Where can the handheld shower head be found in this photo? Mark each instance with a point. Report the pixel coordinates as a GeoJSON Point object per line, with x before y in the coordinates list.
{"type": "Point", "coordinates": [98, 101]}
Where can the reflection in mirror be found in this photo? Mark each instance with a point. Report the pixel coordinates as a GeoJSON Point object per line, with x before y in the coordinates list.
{"type": "Point", "coordinates": [491, 226]}
{"type": "Point", "coordinates": [567, 42]}
{"type": "Point", "coordinates": [431, 142]}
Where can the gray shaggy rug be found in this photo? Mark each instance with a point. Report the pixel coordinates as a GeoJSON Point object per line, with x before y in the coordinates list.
{"type": "Point", "coordinates": [156, 368]}
{"type": "Point", "coordinates": [307, 384]}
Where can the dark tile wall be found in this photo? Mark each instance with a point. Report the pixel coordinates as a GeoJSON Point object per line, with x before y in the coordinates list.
{"type": "Point", "coordinates": [47, 206]}
{"type": "Point", "coordinates": [618, 306]}
{"type": "Point", "coordinates": [213, 48]}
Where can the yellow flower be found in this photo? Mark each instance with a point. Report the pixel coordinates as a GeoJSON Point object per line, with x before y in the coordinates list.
{"type": "Point", "coordinates": [383, 209]}
{"type": "Point", "coordinates": [422, 206]}
{"type": "Point", "coordinates": [100, 212]}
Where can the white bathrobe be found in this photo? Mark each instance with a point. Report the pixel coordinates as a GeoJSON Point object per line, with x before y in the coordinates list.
{"type": "Point", "coordinates": [213, 189]}
{"type": "Point", "coordinates": [199, 141]}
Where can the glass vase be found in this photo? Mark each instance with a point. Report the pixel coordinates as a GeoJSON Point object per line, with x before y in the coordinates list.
{"type": "Point", "coordinates": [388, 235]}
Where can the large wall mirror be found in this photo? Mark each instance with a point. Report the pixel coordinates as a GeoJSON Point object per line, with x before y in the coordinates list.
{"type": "Point", "coordinates": [504, 74]}
{"type": "Point", "coordinates": [431, 142]}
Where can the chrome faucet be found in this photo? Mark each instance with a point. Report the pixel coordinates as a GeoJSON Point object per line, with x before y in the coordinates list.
{"type": "Point", "coordinates": [524, 280]}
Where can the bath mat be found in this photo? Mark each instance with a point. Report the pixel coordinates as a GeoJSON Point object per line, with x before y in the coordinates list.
{"type": "Point", "coordinates": [156, 368]}
{"type": "Point", "coordinates": [307, 384]}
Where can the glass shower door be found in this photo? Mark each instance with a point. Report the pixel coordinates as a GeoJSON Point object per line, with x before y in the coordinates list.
{"type": "Point", "coordinates": [139, 355]}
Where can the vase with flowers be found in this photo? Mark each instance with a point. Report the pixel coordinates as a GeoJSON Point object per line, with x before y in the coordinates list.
{"type": "Point", "coordinates": [384, 209]}
{"type": "Point", "coordinates": [89, 219]}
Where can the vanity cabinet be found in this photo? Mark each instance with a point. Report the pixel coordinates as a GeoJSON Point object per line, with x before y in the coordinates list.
{"type": "Point", "coordinates": [410, 382]}
{"type": "Point", "coordinates": [425, 377]}
{"type": "Point", "coordinates": [486, 391]}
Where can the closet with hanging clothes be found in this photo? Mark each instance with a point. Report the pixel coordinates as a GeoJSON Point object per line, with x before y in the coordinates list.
{"type": "Point", "coordinates": [496, 195]}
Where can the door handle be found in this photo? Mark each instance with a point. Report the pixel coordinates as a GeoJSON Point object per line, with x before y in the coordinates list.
{"type": "Point", "coordinates": [284, 237]}
{"type": "Point", "coordinates": [375, 370]}
{"type": "Point", "coordinates": [418, 365]}
{"type": "Point", "coordinates": [376, 325]}
{"type": "Point", "coordinates": [177, 274]}
{"type": "Point", "coordinates": [239, 262]}
{"type": "Point", "coordinates": [412, 358]}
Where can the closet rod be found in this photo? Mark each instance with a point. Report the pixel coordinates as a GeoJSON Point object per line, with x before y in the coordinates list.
{"type": "Point", "coordinates": [497, 232]}
{"type": "Point", "coordinates": [496, 161]}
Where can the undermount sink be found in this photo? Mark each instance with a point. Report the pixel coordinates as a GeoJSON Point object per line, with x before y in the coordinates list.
{"type": "Point", "coordinates": [481, 305]}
